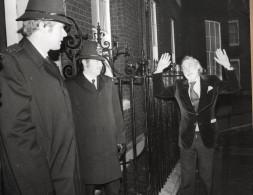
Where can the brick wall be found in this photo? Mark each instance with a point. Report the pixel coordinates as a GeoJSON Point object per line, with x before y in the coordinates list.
{"type": "Point", "coordinates": [80, 10]}
{"type": "Point", "coordinates": [167, 10]}
{"type": "Point", "coordinates": [130, 23]}
{"type": "Point", "coordinates": [126, 24]}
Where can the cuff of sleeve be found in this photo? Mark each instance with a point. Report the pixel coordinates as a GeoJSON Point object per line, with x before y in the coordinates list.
{"type": "Point", "coordinates": [157, 74]}
{"type": "Point", "coordinates": [158, 71]}
{"type": "Point", "coordinates": [230, 68]}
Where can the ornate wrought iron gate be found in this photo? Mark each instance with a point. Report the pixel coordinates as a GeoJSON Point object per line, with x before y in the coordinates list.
{"type": "Point", "coordinates": [161, 133]}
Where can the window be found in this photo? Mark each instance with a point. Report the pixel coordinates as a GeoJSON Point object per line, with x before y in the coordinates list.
{"type": "Point", "coordinates": [213, 42]}
{"type": "Point", "coordinates": [100, 10]}
{"type": "Point", "coordinates": [154, 30]}
{"type": "Point", "coordinates": [236, 64]}
{"type": "Point", "coordinates": [233, 30]}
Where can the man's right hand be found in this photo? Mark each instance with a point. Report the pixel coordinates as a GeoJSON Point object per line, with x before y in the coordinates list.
{"type": "Point", "coordinates": [163, 63]}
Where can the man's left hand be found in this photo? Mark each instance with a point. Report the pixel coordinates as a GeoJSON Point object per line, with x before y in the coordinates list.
{"type": "Point", "coordinates": [222, 59]}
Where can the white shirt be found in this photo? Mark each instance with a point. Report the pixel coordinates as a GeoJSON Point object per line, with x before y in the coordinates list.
{"type": "Point", "coordinates": [90, 79]}
{"type": "Point", "coordinates": [196, 88]}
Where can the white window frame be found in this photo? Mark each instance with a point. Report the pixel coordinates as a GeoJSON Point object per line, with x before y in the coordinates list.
{"type": "Point", "coordinates": [236, 62]}
{"type": "Point", "coordinates": [154, 29]}
{"type": "Point", "coordinates": [236, 33]}
{"type": "Point", "coordinates": [213, 68]}
{"type": "Point", "coordinates": [97, 14]}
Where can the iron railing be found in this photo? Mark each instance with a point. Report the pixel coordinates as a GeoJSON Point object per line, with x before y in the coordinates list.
{"type": "Point", "coordinates": [160, 130]}
{"type": "Point", "coordinates": [161, 117]}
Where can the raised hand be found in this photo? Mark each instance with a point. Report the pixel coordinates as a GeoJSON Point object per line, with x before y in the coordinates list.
{"type": "Point", "coordinates": [163, 63]}
{"type": "Point", "coordinates": [222, 59]}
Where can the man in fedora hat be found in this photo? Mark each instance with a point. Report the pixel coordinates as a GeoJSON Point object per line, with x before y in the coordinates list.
{"type": "Point", "coordinates": [38, 146]}
{"type": "Point", "coordinates": [98, 121]}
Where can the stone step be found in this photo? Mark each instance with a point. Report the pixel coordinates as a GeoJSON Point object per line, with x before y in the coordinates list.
{"type": "Point", "coordinates": [172, 185]}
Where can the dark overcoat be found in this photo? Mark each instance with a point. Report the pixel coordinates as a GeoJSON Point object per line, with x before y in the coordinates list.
{"type": "Point", "coordinates": [211, 86]}
{"type": "Point", "coordinates": [99, 125]}
{"type": "Point", "coordinates": [38, 147]}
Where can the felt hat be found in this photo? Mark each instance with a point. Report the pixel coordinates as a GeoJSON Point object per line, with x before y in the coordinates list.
{"type": "Point", "coordinates": [90, 50]}
{"type": "Point", "coordinates": [52, 10]}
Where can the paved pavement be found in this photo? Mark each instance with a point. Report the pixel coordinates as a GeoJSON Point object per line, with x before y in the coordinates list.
{"type": "Point", "coordinates": [233, 167]}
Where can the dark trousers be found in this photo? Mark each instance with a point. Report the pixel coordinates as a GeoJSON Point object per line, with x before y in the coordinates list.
{"type": "Point", "coordinates": [188, 158]}
{"type": "Point", "coordinates": [111, 188]}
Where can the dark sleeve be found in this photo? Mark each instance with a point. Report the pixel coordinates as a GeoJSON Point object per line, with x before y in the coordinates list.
{"type": "Point", "coordinates": [161, 91]}
{"type": "Point", "coordinates": [231, 85]}
{"type": "Point", "coordinates": [26, 158]}
{"type": "Point", "coordinates": [118, 116]}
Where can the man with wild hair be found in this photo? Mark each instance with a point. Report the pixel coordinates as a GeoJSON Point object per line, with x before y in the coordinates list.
{"type": "Point", "coordinates": [38, 146]}
{"type": "Point", "coordinates": [196, 95]}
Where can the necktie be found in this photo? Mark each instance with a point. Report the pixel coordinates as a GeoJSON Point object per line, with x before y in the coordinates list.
{"type": "Point", "coordinates": [194, 96]}
{"type": "Point", "coordinates": [93, 81]}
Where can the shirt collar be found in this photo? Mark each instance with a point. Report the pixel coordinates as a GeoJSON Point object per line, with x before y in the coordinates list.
{"type": "Point", "coordinates": [89, 78]}
{"type": "Point", "coordinates": [197, 81]}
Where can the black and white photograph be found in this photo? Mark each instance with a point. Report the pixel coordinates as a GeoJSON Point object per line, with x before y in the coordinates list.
{"type": "Point", "coordinates": [126, 97]}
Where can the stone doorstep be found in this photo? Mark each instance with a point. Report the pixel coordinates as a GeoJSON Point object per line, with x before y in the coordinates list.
{"type": "Point", "coordinates": [172, 185]}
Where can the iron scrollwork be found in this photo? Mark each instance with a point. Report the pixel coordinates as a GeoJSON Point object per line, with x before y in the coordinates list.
{"type": "Point", "coordinates": [111, 52]}
{"type": "Point", "coordinates": [72, 45]}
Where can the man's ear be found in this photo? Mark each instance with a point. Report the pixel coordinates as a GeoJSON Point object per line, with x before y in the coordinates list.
{"type": "Point", "coordinates": [43, 28]}
{"type": "Point", "coordinates": [84, 62]}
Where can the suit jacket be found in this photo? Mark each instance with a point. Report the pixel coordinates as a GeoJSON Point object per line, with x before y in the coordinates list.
{"type": "Point", "coordinates": [211, 86]}
{"type": "Point", "coordinates": [99, 124]}
{"type": "Point", "coordinates": [38, 147]}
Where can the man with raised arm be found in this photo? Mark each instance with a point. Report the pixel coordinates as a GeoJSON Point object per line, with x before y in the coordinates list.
{"type": "Point", "coordinates": [196, 95]}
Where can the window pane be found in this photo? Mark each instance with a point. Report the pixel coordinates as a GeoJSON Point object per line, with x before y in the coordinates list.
{"type": "Point", "coordinates": [233, 27]}
{"type": "Point", "coordinates": [213, 40]}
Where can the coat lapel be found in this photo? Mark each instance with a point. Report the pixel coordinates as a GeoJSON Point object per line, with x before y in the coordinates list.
{"type": "Point", "coordinates": [101, 82]}
{"type": "Point", "coordinates": [185, 94]}
{"type": "Point", "coordinates": [203, 93]}
{"type": "Point", "coordinates": [83, 82]}
{"type": "Point", "coordinates": [51, 69]}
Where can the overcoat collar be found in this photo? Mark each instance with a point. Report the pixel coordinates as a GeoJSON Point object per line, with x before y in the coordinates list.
{"type": "Point", "coordinates": [43, 64]}
{"type": "Point", "coordinates": [33, 52]}
{"type": "Point", "coordinates": [83, 82]}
